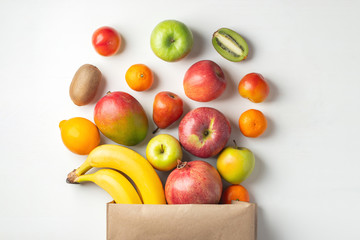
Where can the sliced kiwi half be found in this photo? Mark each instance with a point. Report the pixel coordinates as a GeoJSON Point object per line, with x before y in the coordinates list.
{"type": "Point", "coordinates": [230, 45]}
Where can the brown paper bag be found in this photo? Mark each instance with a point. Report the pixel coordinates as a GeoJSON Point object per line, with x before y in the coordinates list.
{"type": "Point", "coordinates": [176, 222]}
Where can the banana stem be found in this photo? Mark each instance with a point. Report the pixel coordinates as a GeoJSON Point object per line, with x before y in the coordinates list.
{"type": "Point", "coordinates": [71, 177]}
{"type": "Point", "coordinates": [75, 177]}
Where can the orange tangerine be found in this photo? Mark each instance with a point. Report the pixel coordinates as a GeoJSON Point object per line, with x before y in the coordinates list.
{"type": "Point", "coordinates": [252, 123]}
{"type": "Point", "coordinates": [236, 193]}
{"type": "Point", "coordinates": [139, 77]}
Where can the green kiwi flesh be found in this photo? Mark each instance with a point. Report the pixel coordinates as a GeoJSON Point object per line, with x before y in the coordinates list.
{"type": "Point", "coordinates": [230, 45]}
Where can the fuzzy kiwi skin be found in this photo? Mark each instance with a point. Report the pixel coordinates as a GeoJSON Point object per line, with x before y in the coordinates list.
{"type": "Point", "coordinates": [236, 40]}
{"type": "Point", "coordinates": [84, 84]}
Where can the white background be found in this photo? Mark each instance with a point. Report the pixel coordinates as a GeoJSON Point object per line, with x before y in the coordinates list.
{"type": "Point", "coordinates": [306, 181]}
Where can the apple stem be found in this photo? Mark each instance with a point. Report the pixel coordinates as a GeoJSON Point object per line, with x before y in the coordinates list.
{"type": "Point", "coordinates": [108, 92]}
{"type": "Point", "coordinates": [162, 148]}
{"type": "Point", "coordinates": [180, 164]}
{"type": "Point", "coordinates": [155, 130]}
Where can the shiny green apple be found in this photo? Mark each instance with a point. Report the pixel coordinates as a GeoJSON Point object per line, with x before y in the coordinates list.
{"type": "Point", "coordinates": [163, 151]}
{"type": "Point", "coordinates": [171, 40]}
{"type": "Point", "coordinates": [235, 164]}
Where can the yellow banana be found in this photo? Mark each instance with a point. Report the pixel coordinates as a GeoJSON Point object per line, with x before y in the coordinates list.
{"type": "Point", "coordinates": [113, 182]}
{"type": "Point", "coordinates": [129, 162]}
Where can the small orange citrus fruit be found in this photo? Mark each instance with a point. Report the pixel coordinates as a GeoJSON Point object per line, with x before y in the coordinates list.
{"type": "Point", "coordinates": [235, 192]}
{"type": "Point", "coordinates": [252, 123]}
{"type": "Point", "coordinates": [79, 135]}
{"type": "Point", "coordinates": [139, 77]}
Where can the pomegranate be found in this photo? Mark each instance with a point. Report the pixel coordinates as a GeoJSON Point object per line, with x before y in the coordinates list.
{"type": "Point", "coordinates": [195, 182]}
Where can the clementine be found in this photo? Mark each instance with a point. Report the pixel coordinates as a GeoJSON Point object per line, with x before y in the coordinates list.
{"type": "Point", "coordinates": [235, 192]}
{"type": "Point", "coordinates": [252, 123]}
{"type": "Point", "coordinates": [139, 77]}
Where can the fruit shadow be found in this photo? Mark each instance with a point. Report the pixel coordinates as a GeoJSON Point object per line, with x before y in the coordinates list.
{"type": "Point", "coordinates": [231, 86]}
{"type": "Point", "coordinates": [252, 50]}
{"type": "Point", "coordinates": [197, 48]}
{"type": "Point", "coordinates": [188, 157]}
{"type": "Point", "coordinates": [235, 134]}
{"type": "Point", "coordinates": [263, 229]}
{"type": "Point", "coordinates": [257, 173]}
{"type": "Point", "coordinates": [105, 140]}
{"type": "Point", "coordinates": [186, 108]}
{"type": "Point", "coordinates": [271, 128]}
{"type": "Point", "coordinates": [274, 91]}
{"type": "Point", "coordinates": [122, 45]}
{"type": "Point", "coordinates": [163, 175]}
{"type": "Point", "coordinates": [155, 83]}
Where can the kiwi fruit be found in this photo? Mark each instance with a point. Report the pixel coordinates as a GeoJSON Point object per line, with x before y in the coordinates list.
{"type": "Point", "coordinates": [84, 84]}
{"type": "Point", "coordinates": [230, 45]}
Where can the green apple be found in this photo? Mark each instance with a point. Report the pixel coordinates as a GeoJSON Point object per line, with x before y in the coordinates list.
{"type": "Point", "coordinates": [163, 151]}
{"type": "Point", "coordinates": [235, 164]}
{"type": "Point", "coordinates": [171, 40]}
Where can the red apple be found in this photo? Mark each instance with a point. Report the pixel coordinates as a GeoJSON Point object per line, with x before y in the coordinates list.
{"type": "Point", "coordinates": [167, 108]}
{"type": "Point", "coordinates": [204, 81]}
{"type": "Point", "coordinates": [204, 132]}
{"type": "Point", "coordinates": [254, 87]}
{"type": "Point", "coordinates": [195, 182]}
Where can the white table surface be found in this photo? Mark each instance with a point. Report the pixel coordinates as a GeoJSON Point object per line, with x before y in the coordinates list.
{"type": "Point", "coordinates": [306, 181]}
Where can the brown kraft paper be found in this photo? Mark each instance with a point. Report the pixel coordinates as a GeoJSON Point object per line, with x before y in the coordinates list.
{"type": "Point", "coordinates": [184, 221]}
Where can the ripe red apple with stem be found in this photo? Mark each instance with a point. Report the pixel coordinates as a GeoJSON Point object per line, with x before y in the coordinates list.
{"type": "Point", "coordinates": [204, 132]}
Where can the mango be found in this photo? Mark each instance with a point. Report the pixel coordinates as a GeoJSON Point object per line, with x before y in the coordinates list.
{"type": "Point", "coordinates": [121, 118]}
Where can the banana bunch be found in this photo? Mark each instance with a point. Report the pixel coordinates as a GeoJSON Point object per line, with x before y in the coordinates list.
{"type": "Point", "coordinates": [119, 188]}
{"type": "Point", "coordinates": [136, 167]}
